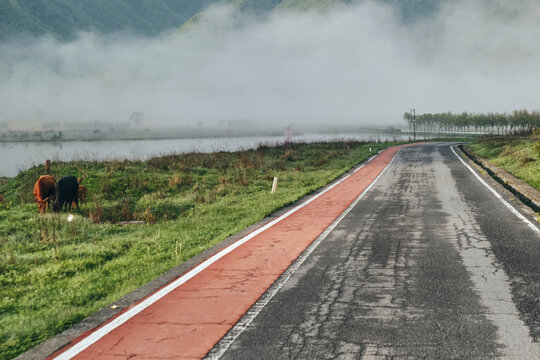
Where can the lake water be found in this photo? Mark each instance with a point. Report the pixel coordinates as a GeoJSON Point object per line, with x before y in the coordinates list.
{"type": "Point", "coordinates": [17, 156]}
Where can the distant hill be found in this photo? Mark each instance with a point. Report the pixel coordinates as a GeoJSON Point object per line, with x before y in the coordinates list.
{"type": "Point", "coordinates": [64, 18]}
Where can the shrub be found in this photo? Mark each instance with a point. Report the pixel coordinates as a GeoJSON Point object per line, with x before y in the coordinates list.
{"type": "Point", "coordinates": [279, 165]}
{"type": "Point", "coordinates": [127, 208]}
{"type": "Point", "coordinates": [242, 180]}
{"type": "Point", "coordinates": [526, 160]}
{"type": "Point", "coordinates": [536, 136]}
{"type": "Point", "coordinates": [96, 212]}
{"type": "Point", "coordinates": [289, 155]}
{"type": "Point", "coordinates": [175, 180]}
{"type": "Point", "coordinates": [147, 216]}
{"type": "Point", "coordinates": [48, 228]}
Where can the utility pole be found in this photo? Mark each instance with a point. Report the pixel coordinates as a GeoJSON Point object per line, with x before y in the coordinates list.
{"type": "Point", "coordinates": [414, 123]}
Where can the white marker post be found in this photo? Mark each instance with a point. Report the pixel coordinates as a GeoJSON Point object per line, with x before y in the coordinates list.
{"type": "Point", "coordinates": [274, 185]}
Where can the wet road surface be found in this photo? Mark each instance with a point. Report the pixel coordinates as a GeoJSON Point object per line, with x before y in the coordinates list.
{"type": "Point", "coordinates": [428, 265]}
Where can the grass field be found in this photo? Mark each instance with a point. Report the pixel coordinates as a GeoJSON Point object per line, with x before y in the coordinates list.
{"type": "Point", "coordinates": [54, 273]}
{"type": "Point", "coordinates": [519, 156]}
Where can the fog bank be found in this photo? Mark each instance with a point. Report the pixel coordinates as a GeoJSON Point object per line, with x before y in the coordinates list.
{"type": "Point", "coordinates": [352, 66]}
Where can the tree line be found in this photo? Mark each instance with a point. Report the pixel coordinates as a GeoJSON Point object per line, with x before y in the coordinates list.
{"type": "Point", "coordinates": [517, 122]}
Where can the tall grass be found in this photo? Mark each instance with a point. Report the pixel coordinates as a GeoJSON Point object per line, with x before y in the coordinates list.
{"type": "Point", "coordinates": [517, 155]}
{"type": "Point", "coordinates": [54, 273]}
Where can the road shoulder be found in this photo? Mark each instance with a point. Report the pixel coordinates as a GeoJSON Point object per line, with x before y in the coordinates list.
{"type": "Point", "coordinates": [524, 192]}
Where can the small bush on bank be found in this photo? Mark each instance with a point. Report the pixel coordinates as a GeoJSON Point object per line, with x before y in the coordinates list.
{"type": "Point", "coordinates": [536, 137]}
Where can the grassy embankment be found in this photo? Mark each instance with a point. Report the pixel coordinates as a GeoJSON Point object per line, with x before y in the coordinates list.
{"type": "Point", "coordinates": [517, 155]}
{"type": "Point", "coordinates": [53, 273]}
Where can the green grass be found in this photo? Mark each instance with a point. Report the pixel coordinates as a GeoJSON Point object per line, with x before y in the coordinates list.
{"type": "Point", "coordinates": [518, 155]}
{"type": "Point", "coordinates": [53, 273]}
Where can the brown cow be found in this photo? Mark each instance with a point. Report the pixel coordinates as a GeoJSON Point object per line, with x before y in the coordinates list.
{"type": "Point", "coordinates": [1, 198]}
{"type": "Point", "coordinates": [82, 194]}
{"type": "Point", "coordinates": [82, 190]}
{"type": "Point", "coordinates": [44, 192]}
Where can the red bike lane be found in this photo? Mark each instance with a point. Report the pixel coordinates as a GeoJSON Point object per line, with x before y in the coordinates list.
{"type": "Point", "coordinates": [185, 320]}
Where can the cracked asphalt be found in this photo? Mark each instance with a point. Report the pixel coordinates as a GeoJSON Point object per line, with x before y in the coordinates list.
{"type": "Point", "coordinates": [428, 265]}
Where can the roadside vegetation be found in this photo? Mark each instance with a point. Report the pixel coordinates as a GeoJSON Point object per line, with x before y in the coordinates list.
{"type": "Point", "coordinates": [519, 156]}
{"type": "Point", "coordinates": [54, 273]}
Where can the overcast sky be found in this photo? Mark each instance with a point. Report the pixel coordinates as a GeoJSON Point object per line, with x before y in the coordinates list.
{"type": "Point", "coordinates": [352, 65]}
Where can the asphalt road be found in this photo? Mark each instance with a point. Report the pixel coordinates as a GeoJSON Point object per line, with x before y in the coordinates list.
{"type": "Point", "coordinates": [429, 264]}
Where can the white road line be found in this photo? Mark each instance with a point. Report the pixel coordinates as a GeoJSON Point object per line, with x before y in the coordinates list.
{"type": "Point", "coordinates": [104, 330]}
{"type": "Point", "coordinates": [221, 347]}
{"type": "Point", "coordinates": [498, 196]}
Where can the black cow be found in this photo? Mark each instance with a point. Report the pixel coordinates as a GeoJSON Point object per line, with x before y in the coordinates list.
{"type": "Point", "coordinates": [67, 193]}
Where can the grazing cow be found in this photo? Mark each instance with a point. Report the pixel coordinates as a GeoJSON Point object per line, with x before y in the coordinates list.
{"type": "Point", "coordinates": [67, 193]}
{"type": "Point", "coordinates": [82, 192]}
{"type": "Point", "coordinates": [44, 192]}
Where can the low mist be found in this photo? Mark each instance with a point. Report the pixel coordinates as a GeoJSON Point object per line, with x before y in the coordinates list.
{"type": "Point", "coordinates": [355, 65]}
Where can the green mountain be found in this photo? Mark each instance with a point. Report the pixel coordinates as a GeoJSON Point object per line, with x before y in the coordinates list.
{"type": "Point", "coordinates": [409, 9]}
{"type": "Point", "coordinates": [64, 18]}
